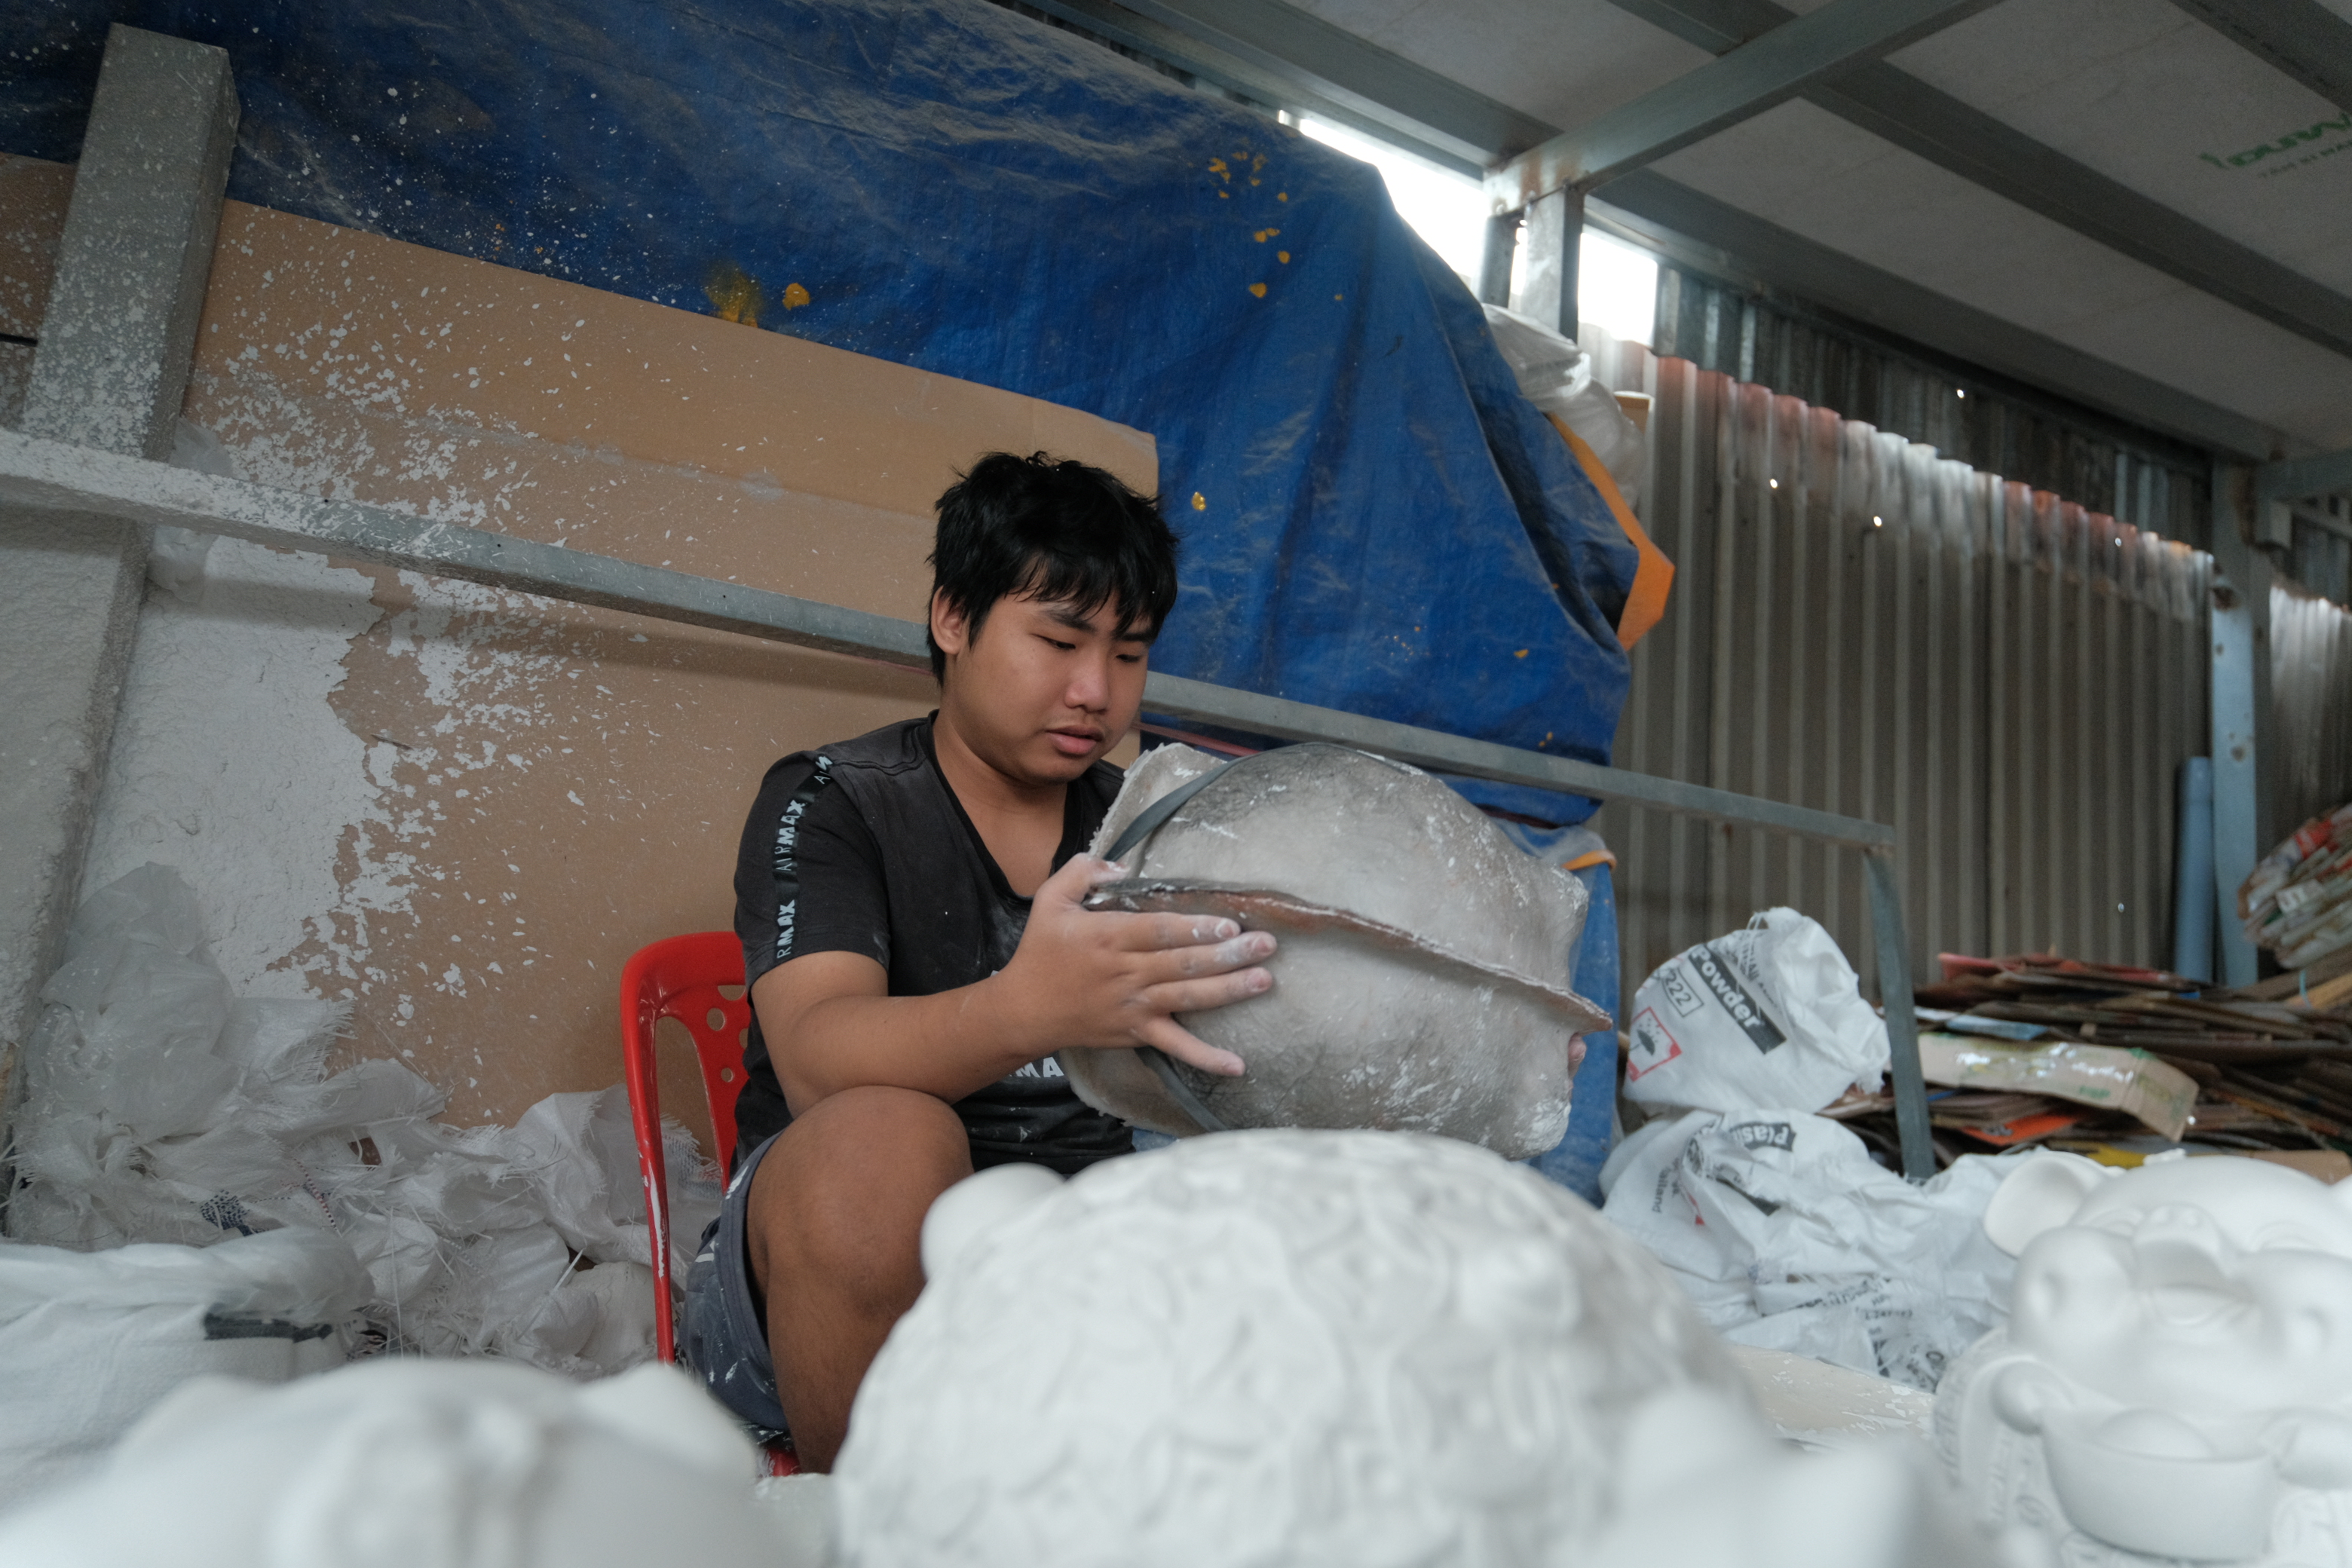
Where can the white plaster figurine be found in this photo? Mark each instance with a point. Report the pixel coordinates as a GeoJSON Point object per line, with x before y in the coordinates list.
{"type": "Point", "coordinates": [419, 1464]}
{"type": "Point", "coordinates": [1322, 1348]}
{"type": "Point", "coordinates": [2175, 1381]}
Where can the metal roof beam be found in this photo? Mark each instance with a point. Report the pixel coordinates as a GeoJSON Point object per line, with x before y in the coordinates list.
{"type": "Point", "coordinates": [1282, 56]}
{"type": "Point", "coordinates": [1351, 70]}
{"type": "Point", "coordinates": [1734, 86]}
{"type": "Point", "coordinates": [2300, 477]}
{"type": "Point", "coordinates": [1711, 236]}
{"type": "Point", "coordinates": [2302, 38]}
{"type": "Point", "coordinates": [1431, 114]}
{"type": "Point", "coordinates": [1901, 108]}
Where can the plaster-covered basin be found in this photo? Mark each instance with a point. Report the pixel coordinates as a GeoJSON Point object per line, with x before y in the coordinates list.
{"type": "Point", "coordinates": [1421, 982]}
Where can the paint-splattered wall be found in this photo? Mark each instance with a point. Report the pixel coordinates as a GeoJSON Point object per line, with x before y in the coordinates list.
{"type": "Point", "coordinates": [463, 808]}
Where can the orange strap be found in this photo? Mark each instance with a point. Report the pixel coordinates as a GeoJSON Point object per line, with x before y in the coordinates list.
{"type": "Point", "coordinates": [1590, 859]}
{"type": "Point", "coordinates": [1645, 603]}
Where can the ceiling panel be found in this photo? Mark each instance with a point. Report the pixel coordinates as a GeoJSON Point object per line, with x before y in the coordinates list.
{"type": "Point", "coordinates": [1811, 172]}
{"type": "Point", "coordinates": [2203, 346]}
{"type": "Point", "coordinates": [2152, 99]}
{"type": "Point", "coordinates": [2137, 91]}
{"type": "Point", "coordinates": [1564, 61]}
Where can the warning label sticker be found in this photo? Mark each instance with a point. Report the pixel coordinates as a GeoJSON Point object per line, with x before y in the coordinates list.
{"type": "Point", "coordinates": [1654, 1045]}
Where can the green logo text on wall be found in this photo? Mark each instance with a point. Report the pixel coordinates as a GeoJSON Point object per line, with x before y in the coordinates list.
{"type": "Point", "coordinates": [2292, 150]}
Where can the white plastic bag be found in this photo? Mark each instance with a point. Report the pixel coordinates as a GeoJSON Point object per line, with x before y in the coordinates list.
{"type": "Point", "coordinates": [581, 1152]}
{"type": "Point", "coordinates": [160, 1109]}
{"type": "Point", "coordinates": [1787, 1237]}
{"type": "Point", "coordinates": [401, 1463]}
{"type": "Point", "coordinates": [90, 1341]}
{"type": "Point", "coordinates": [1557, 376]}
{"type": "Point", "coordinates": [1770, 1016]}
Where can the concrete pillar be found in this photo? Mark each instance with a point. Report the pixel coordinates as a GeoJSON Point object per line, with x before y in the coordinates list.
{"type": "Point", "coordinates": [109, 372]}
{"type": "Point", "coordinates": [2242, 829]}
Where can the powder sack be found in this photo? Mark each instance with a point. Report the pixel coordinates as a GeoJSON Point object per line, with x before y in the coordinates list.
{"type": "Point", "coordinates": [1770, 1016]}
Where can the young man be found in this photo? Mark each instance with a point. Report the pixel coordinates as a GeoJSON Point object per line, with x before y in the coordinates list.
{"type": "Point", "coordinates": [910, 908]}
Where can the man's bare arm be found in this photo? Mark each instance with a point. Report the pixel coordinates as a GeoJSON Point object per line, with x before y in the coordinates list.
{"type": "Point", "coordinates": [1079, 979]}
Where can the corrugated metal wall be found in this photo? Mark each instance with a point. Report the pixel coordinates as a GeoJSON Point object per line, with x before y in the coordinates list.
{"type": "Point", "coordinates": [2321, 559]}
{"type": "Point", "coordinates": [2311, 705]}
{"type": "Point", "coordinates": [2040, 440]}
{"type": "Point", "coordinates": [1862, 626]}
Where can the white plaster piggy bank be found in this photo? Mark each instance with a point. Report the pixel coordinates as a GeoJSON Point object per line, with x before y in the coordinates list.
{"type": "Point", "coordinates": [418, 1464]}
{"type": "Point", "coordinates": [1322, 1348]}
{"type": "Point", "coordinates": [2175, 1381]}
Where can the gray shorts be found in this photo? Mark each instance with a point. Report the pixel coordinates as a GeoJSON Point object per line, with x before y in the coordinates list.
{"type": "Point", "coordinates": [724, 1336]}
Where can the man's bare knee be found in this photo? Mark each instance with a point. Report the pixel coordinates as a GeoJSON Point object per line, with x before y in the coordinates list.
{"type": "Point", "coordinates": [842, 1195]}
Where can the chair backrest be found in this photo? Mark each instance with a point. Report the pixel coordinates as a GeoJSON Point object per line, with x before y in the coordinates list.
{"type": "Point", "coordinates": [679, 977]}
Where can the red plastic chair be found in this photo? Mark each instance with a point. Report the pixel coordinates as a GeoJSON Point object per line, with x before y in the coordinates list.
{"type": "Point", "coordinates": [678, 977]}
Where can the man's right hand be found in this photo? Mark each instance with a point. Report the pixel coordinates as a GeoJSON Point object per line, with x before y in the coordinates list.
{"type": "Point", "coordinates": [1095, 978]}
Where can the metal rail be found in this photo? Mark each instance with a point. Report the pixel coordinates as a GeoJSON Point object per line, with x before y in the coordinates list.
{"type": "Point", "coordinates": [1898, 107]}
{"type": "Point", "coordinates": [1761, 74]}
{"type": "Point", "coordinates": [55, 476]}
{"type": "Point", "coordinates": [2299, 38]}
{"type": "Point", "coordinates": [1297, 61]}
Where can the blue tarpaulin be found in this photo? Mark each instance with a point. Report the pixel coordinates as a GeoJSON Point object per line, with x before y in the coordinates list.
{"type": "Point", "coordinates": [1374, 518]}
{"type": "Point", "coordinates": [1576, 1160]}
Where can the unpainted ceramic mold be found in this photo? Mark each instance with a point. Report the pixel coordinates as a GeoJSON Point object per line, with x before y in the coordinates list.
{"type": "Point", "coordinates": [417, 1464]}
{"type": "Point", "coordinates": [1423, 982]}
{"type": "Point", "coordinates": [2175, 1381]}
{"type": "Point", "coordinates": [1310, 1348]}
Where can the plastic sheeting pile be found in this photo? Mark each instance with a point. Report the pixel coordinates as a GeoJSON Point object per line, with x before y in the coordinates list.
{"type": "Point", "coordinates": [1776, 1222]}
{"type": "Point", "coordinates": [420, 1464]}
{"type": "Point", "coordinates": [161, 1108]}
{"type": "Point", "coordinates": [1787, 1237]}
{"type": "Point", "coordinates": [90, 1341]}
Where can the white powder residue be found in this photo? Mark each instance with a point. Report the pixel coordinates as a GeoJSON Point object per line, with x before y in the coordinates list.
{"type": "Point", "coordinates": [229, 762]}
{"type": "Point", "coordinates": [462, 637]}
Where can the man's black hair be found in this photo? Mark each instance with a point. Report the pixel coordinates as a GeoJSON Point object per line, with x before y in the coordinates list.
{"type": "Point", "coordinates": [1056, 531]}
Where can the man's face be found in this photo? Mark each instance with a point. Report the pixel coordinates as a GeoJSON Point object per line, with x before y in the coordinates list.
{"type": "Point", "coordinates": [1040, 693]}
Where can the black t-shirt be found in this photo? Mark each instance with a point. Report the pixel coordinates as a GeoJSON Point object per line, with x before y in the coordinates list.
{"type": "Point", "coordinates": [863, 847]}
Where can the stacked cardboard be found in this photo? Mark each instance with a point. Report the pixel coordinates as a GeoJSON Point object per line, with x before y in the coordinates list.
{"type": "Point", "coordinates": [2298, 903]}
{"type": "Point", "coordinates": [2118, 1062]}
{"type": "Point", "coordinates": [2146, 1009]}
